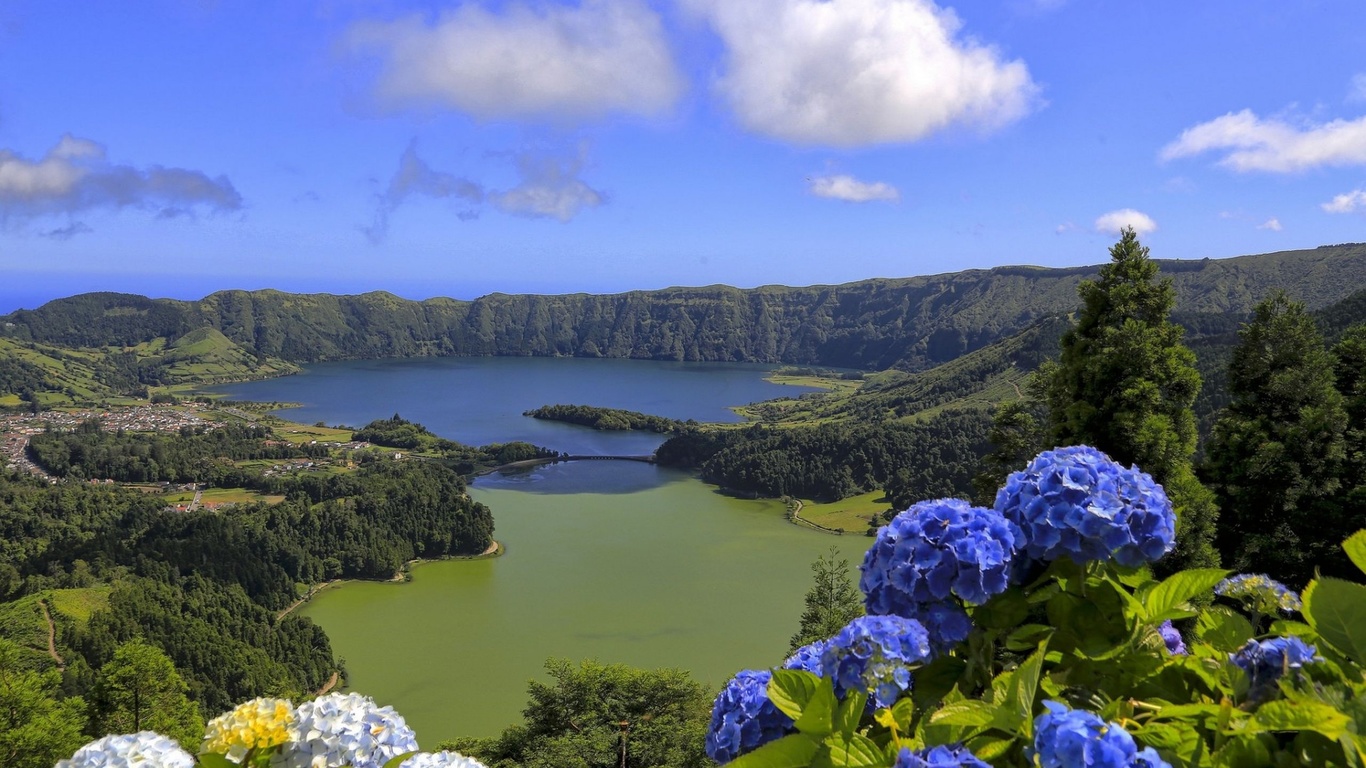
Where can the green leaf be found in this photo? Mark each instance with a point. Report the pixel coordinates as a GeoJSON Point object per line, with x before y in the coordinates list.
{"type": "Point", "coordinates": [397, 760]}
{"type": "Point", "coordinates": [1244, 752]}
{"type": "Point", "coordinates": [850, 712]}
{"type": "Point", "coordinates": [935, 680]}
{"type": "Point", "coordinates": [853, 751]}
{"type": "Point", "coordinates": [1336, 609]}
{"type": "Point", "coordinates": [1016, 713]}
{"type": "Point", "coordinates": [1180, 588]}
{"type": "Point", "coordinates": [215, 760]}
{"type": "Point", "coordinates": [970, 712]}
{"type": "Point", "coordinates": [1284, 715]}
{"type": "Point", "coordinates": [791, 751]}
{"type": "Point", "coordinates": [791, 689]}
{"type": "Point", "coordinates": [989, 747]}
{"type": "Point", "coordinates": [902, 712]}
{"type": "Point", "coordinates": [818, 716]}
{"type": "Point", "coordinates": [1356, 549]}
{"type": "Point", "coordinates": [1004, 611]}
{"type": "Point", "coordinates": [1223, 628]}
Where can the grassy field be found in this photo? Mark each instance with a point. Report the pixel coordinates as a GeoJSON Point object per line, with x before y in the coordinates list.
{"type": "Point", "coordinates": [827, 383]}
{"type": "Point", "coordinates": [851, 514]}
{"type": "Point", "coordinates": [79, 604]}
{"type": "Point", "coordinates": [223, 496]}
{"type": "Point", "coordinates": [21, 622]}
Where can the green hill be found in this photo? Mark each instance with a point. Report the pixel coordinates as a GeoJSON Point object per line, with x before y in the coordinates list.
{"type": "Point", "coordinates": [909, 323]}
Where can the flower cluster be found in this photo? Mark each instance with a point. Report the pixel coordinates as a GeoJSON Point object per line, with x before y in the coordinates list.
{"type": "Point", "coordinates": [1172, 639]}
{"type": "Point", "coordinates": [875, 655]}
{"type": "Point", "coordinates": [743, 718]}
{"type": "Point", "coordinates": [939, 757]}
{"type": "Point", "coordinates": [441, 760]}
{"type": "Point", "coordinates": [934, 551]}
{"type": "Point", "coordinates": [946, 623]}
{"type": "Point", "coordinates": [1265, 661]}
{"type": "Point", "coordinates": [347, 729]}
{"type": "Point", "coordinates": [808, 658]}
{"type": "Point", "coordinates": [256, 724]}
{"type": "Point", "coordinates": [1064, 738]}
{"type": "Point", "coordinates": [1258, 592]}
{"type": "Point", "coordinates": [135, 750]}
{"type": "Point", "coordinates": [1077, 502]}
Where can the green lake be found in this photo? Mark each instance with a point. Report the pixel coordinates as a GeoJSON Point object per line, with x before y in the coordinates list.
{"type": "Point", "coordinates": [617, 561]}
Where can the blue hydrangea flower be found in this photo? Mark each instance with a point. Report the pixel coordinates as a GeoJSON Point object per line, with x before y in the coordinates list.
{"type": "Point", "coordinates": [346, 729]}
{"type": "Point", "coordinates": [1265, 661]}
{"type": "Point", "coordinates": [939, 757]}
{"type": "Point", "coordinates": [743, 718]}
{"type": "Point", "coordinates": [1077, 502]}
{"type": "Point", "coordinates": [1066, 738]}
{"type": "Point", "coordinates": [144, 749]}
{"type": "Point", "coordinates": [934, 550]}
{"type": "Point", "coordinates": [875, 654]}
{"type": "Point", "coordinates": [1259, 592]}
{"type": "Point", "coordinates": [946, 623]}
{"type": "Point", "coordinates": [441, 760]}
{"type": "Point", "coordinates": [808, 658]}
{"type": "Point", "coordinates": [1172, 639]}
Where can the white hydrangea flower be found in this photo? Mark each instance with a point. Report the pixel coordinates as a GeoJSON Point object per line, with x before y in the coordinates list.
{"type": "Point", "coordinates": [345, 729]}
{"type": "Point", "coordinates": [145, 749]}
{"type": "Point", "coordinates": [441, 760]}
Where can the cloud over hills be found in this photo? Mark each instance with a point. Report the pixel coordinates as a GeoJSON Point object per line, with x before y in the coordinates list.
{"type": "Point", "coordinates": [1115, 221]}
{"type": "Point", "coordinates": [528, 61]}
{"type": "Point", "coordinates": [850, 189]}
{"type": "Point", "coordinates": [860, 72]}
{"type": "Point", "coordinates": [76, 175]}
{"type": "Point", "coordinates": [1251, 143]}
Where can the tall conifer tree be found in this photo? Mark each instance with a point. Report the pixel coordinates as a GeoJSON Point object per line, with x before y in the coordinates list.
{"type": "Point", "coordinates": [1125, 385]}
{"type": "Point", "coordinates": [1277, 451]}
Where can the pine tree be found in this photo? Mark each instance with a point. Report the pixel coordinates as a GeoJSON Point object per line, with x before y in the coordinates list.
{"type": "Point", "coordinates": [832, 601]}
{"type": "Point", "coordinates": [1014, 438]}
{"type": "Point", "coordinates": [139, 689]}
{"type": "Point", "coordinates": [1125, 385]}
{"type": "Point", "coordinates": [1276, 452]}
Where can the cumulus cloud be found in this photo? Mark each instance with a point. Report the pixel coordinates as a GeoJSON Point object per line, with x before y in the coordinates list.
{"type": "Point", "coordinates": [860, 72]}
{"type": "Point", "coordinates": [1272, 224]}
{"type": "Point", "coordinates": [76, 175]}
{"type": "Point", "coordinates": [1346, 203]}
{"type": "Point", "coordinates": [1251, 143]}
{"type": "Point", "coordinates": [549, 187]}
{"type": "Point", "coordinates": [850, 189]}
{"type": "Point", "coordinates": [526, 60]}
{"type": "Point", "coordinates": [1114, 221]}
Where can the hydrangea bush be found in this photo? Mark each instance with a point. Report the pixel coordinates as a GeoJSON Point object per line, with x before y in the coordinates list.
{"type": "Point", "coordinates": [1034, 634]}
{"type": "Point", "coordinates": [334, 730]}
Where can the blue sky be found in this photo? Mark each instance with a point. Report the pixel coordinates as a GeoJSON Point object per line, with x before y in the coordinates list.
{"type": "Point", "coordinates": [604, 145]}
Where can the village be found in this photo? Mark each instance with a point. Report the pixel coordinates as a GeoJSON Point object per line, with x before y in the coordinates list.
{"type": "Point", "coordinates": [16, 429]}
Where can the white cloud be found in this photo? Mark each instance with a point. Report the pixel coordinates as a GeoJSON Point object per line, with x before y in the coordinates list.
{"type": "Point", "coordinates": [1356, 91]}
{"type": "Point", "coordinates": [550, 189]}
{"type": "Point", "coordinates": [1250, 143]}
{"type": "Point", "coordinates": [850, 189]}
{"type": "Point", "coordinates": [1114, 221]}
{"type": "Point", "coordinates": [1272, 224]}
{"type": "Point", "coordinates": [1346, 203]}
{"type": "Point", "coordinates": [527, 60]}
{"type": "Point", "coordinates": [860, 72]}
{"type": "Point", "coordinates": [76, 175]}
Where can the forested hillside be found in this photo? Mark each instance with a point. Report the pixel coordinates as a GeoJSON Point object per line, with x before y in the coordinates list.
{"type": "Point", "coordinates": [908, 323]}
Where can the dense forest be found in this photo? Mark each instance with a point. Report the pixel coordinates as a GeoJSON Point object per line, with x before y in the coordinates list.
{"type": "Point", "coordinates": [611, 419]}
{"type": "Point", "coordinates": [110, 566]}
